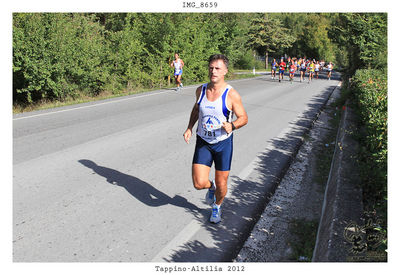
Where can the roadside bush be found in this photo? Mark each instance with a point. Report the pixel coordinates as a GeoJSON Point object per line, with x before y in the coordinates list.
{"type": "Point", "coordinates": [370, 92]}
{"type": "Point", "coordinates": [248, 62]}
{"type": "Point", "coordinates": [55, 55]}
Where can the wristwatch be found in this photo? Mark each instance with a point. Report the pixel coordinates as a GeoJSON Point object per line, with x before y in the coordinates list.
{"type": "Point", "coordinates": [233, 126]}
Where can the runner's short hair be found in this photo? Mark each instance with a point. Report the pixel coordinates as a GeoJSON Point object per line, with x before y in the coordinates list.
{"type": "Point", "coordinates": [219, 57]}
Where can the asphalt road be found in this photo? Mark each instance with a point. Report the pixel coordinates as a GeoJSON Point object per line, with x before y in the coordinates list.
{"type": "Point", "coordinates": [110, 181]}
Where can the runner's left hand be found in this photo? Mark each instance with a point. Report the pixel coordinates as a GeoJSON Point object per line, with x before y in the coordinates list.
{"type": "Point", "coordinates": [227, 126]}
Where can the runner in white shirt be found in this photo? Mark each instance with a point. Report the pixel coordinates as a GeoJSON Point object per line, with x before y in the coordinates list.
{"type": "Point", "coordinates": [330, 68]}
{"type": "Point", "coordinates": [216, 102]}
{"type": "Point", "coordinates": [317, 68]}
{"type": "Point", "coordinates": [303, 69]}
{"type": "Point", "coordinates": [178, 64]}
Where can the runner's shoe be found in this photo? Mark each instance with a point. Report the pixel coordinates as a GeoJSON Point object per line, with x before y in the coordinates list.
{"type": "Point", "coordinates": [210, 196]}
{"type": "Point", "coordinates": [215, 214]}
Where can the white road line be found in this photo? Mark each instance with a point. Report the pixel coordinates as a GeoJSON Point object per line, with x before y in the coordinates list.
{"type": "Point", "coordinates": [89, 106]}
{"type": "Point", "coordinates": [104, 103]}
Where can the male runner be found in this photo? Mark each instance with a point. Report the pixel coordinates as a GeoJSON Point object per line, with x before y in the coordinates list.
{"type": "Point", "coordinates": [274, 64]}
{"type": "Point", "coordinates": [322, 64]}
{"type": "Point", "coordinates": [178, 65]}
{"type": "Point", "coordinates": [288, 62]}
{"type": "Point", "coordinates": [292, 70]}
{"type": "Point", "coordinates": [282, 67]}
{"type": "Point", "coordinates": [303, 69]}
{"type": "Point", "coordinates": [330, 68]}
{"type": "Point", "coordinates": [317, 67]}
{"type": "Point", "coordinates": [311, 69]}
{"type": "Point", "coordinates": [216, 102]}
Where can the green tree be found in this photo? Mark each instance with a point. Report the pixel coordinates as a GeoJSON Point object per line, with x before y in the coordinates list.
{"type": "Point", "coordinates": [295, 23]}
{"type": "Point", "coordinates": [364, 37]}
{"type": "Point", "coordinates": [316, 40]}
{"type": "Point", "coordinates": [267, 35]}
{"type": "Point", "coordinates": [311, 32]}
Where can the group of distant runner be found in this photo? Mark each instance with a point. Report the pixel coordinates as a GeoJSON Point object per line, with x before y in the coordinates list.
{"type": "Point", "coordinates": [303, 65]}
{"type": "Point", "coordinates": [292, 65]}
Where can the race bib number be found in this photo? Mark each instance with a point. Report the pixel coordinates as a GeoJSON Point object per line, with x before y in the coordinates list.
{"type": "Point", "coordinates": [211, 130]}
{"type": "Point", "coordinates": [211, 127]}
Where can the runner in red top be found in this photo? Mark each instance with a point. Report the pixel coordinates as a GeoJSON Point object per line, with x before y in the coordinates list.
{"type": "Point", "coordinates": [282, 67]}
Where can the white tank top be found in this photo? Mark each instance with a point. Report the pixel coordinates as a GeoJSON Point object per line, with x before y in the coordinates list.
{"type": "Point", "coordinates": [177, 65]}
{"type": "Point", "coordinates": [211, 116]}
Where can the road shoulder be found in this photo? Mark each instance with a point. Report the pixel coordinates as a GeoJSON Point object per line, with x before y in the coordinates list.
{"type": "Point", "coordinates": [297, 202]}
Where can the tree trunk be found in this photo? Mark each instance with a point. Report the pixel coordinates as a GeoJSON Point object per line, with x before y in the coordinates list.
{"type": "Point", "coordinates": [266, 60]}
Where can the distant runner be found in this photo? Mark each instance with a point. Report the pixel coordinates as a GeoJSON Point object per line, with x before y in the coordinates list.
{"type": "Point", "coordinates": [297, 63]}
{"type": "Point", "coordinates": [289, 61]}
{"type": "Point", "coordinates": [330, 68]}
{"type": "Point", "coordinates": [292, 70]}
{"type": "Point", "coordinates": [322, 65]}
{"type": "Point", "coordinates": [282, 66]}
{"type": "Point", "coordinates": [274, 65]}
{"type": "Point", "coordinates": [303, 69]}
{"type": "Point", "coordinates": [317, 67]}
{"type": "Point", "coordinates": [311, 69]}
{"type": "Point", "coordinates": [178, 64]}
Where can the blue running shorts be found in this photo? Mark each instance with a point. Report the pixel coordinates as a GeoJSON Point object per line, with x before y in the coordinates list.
{"type": "Point", "coordinates": [219, 153]}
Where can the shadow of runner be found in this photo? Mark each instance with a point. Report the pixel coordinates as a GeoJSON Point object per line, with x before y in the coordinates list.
{"type": "Point", "coordinates": [139, 189]}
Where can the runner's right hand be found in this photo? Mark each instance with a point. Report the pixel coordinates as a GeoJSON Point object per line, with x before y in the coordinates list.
{"type": "Point", "coordinates": [187, 135]}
